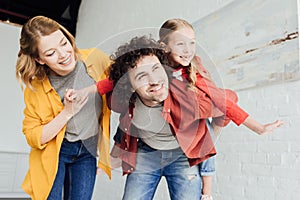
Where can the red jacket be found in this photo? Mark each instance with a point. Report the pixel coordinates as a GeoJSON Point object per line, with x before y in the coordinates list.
{"type": "Point", "coordinates": [186, 111]}
{"type": "Point", "coordinates": [225, 100]}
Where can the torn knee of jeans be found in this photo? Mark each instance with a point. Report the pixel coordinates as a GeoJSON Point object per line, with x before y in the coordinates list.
{"type": "Point", "coordinates": [191, 177]}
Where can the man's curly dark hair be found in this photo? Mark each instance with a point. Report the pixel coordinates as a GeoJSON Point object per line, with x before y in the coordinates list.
{"type": "Point", "coordinates": [127, 56]}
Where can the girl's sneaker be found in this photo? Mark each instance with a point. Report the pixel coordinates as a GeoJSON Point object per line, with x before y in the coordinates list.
{"type": "Point", "coordinates": [206, 197]}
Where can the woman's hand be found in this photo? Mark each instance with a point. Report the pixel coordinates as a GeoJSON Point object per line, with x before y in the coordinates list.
{"type": "Point", "coordinates": [74, 100]}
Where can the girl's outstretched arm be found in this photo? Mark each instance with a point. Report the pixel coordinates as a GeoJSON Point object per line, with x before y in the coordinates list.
{"type": "Point", "coordinates": [262, 129]}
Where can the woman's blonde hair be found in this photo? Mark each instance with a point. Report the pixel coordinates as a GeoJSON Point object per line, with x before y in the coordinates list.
{"type": "Point", "coordinates": [171, 26]}
{"type": "Point", "coordinates": [27, 68]}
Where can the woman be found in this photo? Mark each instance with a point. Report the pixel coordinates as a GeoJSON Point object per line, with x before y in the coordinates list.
{"type": "Point", "coordinates": [63, 134]}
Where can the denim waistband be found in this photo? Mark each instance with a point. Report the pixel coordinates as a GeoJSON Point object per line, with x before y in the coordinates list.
{"type": "Point", "coordinates": [67, 141]}
{"type": "Point", "coordinates": [141, 144]}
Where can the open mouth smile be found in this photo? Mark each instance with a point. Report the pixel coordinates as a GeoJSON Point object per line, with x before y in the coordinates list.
{"type": "Point", "coordinates": [157, 88]}
{"type": "Point", "coordinates": [66, 61]}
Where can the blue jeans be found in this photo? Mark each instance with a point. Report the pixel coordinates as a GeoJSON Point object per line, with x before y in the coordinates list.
{"type": "Point", "coordinates": [207, 167]}
{"type": "Point", "coordinates": [75, 178]}
{"type": "Point", "coordinates": [184, 182]}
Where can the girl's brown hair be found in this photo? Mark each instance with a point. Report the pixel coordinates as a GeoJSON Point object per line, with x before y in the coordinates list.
{"type": "Point", "coordinates": [27, 68]}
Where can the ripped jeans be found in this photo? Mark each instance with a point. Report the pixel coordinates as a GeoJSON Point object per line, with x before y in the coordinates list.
{"type": "Point", "coordinates": [184, 182]}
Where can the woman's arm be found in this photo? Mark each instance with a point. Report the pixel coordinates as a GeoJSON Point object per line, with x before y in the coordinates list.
{"type": "Point", "coordinates": [71, 107]}
{"type": "Point", "coordinates": [102, 87]}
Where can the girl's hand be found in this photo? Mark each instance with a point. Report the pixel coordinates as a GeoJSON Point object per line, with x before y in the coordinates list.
{"type": "Point", "coordinates": [262, 129]}
{"type": "Point", "coordinates": [269, 128]}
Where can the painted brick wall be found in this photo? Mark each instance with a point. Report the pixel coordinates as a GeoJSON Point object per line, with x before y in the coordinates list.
{"type": "Point", "coordinates": [265, 167]}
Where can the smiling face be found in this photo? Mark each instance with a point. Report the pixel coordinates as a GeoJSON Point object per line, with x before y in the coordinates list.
{"type": "Point", "coordinates": [150, 81]}
{"type": "Point", "coordinates": [182, 46]}
{"type": "Point", "coordinates": [56, 51]}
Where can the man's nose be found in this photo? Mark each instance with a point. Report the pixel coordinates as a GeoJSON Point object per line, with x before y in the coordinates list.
{"type": "Point", "coordinates": [153, 79]}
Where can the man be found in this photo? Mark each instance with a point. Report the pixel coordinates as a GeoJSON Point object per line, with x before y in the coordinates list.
{"type": "Point", "coordinates": [154, 139]}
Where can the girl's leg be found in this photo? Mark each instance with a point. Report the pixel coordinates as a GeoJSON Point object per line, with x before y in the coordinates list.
{"type": "Point", "coordinates": [207, 170]}
{"type": "Point", "coordinates": [207, 184]}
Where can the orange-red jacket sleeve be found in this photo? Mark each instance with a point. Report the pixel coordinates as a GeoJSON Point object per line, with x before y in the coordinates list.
{"type": "Point", "coordinates": [104, 86]}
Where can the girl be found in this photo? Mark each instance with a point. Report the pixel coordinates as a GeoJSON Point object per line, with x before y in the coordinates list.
{"type": "Point", "coordinates": [178, 38]}
{"type": "Point", "coordinates": [63, 135]}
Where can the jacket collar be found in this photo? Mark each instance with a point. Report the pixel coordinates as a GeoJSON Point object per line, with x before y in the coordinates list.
{"type": "Point", "coordinates": [46, 85]}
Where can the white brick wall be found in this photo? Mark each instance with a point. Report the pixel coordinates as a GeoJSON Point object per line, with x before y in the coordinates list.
{"type": "Point", "coordinates": [261, 167]}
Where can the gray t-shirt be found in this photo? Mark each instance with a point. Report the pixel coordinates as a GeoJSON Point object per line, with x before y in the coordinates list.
{"type": "Point", "coordinates": [152, 127]}
{"type": "Point", "coordinates": [85, 124]}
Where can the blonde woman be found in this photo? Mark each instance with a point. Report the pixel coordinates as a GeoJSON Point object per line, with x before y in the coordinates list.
{"type": "Point", "coordinates": [63, 135]}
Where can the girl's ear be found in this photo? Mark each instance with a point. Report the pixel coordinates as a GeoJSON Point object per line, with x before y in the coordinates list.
{"type": "Point", "coordinates": [39, 61]}
{"type": "Point", "coordinates": [165, 47]}
{"type": "Point", "coordinates": [163, 44]}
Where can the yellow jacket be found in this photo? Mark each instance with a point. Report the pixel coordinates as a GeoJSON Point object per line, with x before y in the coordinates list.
{"type": "Point", "coordinates": [42, 106]}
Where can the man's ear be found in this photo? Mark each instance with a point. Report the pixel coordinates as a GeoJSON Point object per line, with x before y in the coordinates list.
{"type": "Point", "coordinates": [132, 90]}
{"type": "Point", "coordinates": [39, 61]}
